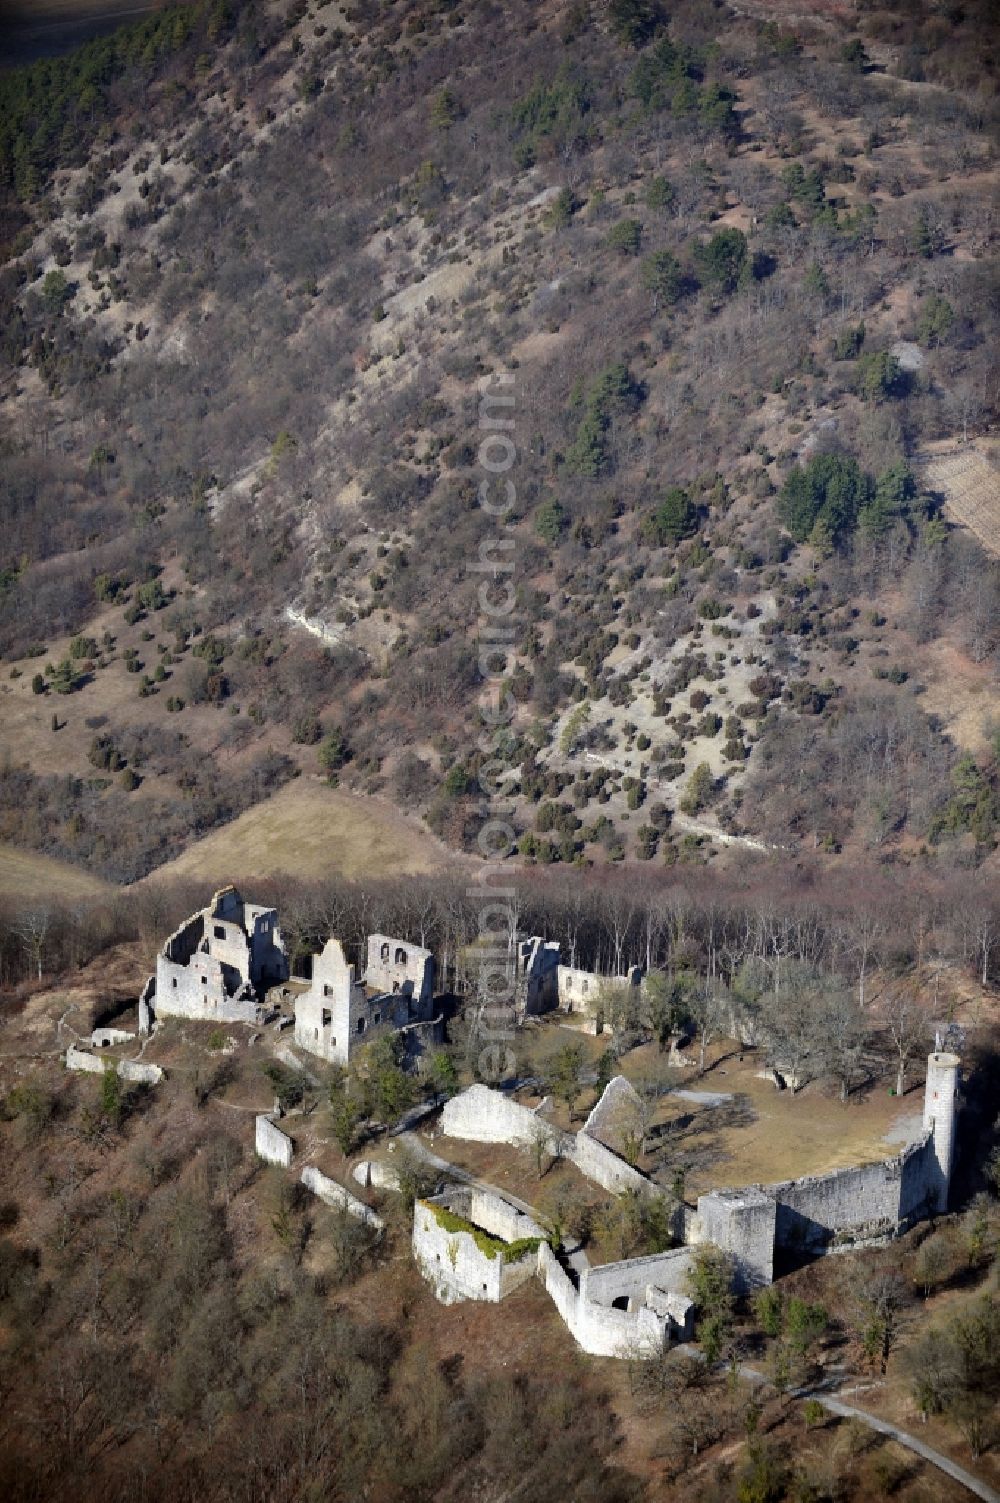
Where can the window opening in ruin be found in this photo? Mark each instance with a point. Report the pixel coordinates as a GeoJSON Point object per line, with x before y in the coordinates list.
{"type": "Point", "coordinates": [385, 952]}
{"type": "Point", "coordinates": [327, 1017]}
{"type": "Point", "coordinates": [620, 1302]}
{"type": "Point", "coordinates": [395, 986]}
{"type": "Point", "coordinates": [173, 983]}
{"type": "Point", "coordinates": [377, 1018]}
{"type": "Point", "coordinates": [315, 1033]}
{"type": "Point", "coordinates": [583, 987]}
{"type": "Point", "coordinates": [361, 1025]}
{"type": "Point", "coordinates": [400, 957]}
{"type": "Point", "coordinates": [327, 989]}
{"type": "Point", "coordinates": [204, 980]}
{"type": "Point", "coordinates": [220, 933]}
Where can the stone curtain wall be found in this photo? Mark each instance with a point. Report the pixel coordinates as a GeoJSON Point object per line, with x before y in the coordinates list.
{"type": "Point", "coordinates": [482, 1115]}
{"type": "Point", "coordinates": [864, 1200]}
{"type": "Point", "coordinates": [921, 1176]}
{"type": "Point", "coordinates": [332, 1194]}
{"type": "Point", "coordinates": [598, 1329]}
{"type": "Point", "coordinates": [606, 1168]}
{"type": "Point", "coordinates": [271, 1143]}
{"type": "Point", "coordinates": [632, 1277]}
{"type": "Point", "coordinates": [866, 1203]}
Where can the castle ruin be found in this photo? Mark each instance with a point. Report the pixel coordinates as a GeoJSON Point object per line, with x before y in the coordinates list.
{"type": "Point", "coordinates": [218, 966]}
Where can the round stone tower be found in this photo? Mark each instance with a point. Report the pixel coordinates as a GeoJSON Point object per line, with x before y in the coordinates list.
{"type": "Point", "coordinates": [939, 1118]}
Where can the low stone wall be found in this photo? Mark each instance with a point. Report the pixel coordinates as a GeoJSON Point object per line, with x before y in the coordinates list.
{"type": "Point", "coordinates": [482, 1115]}
{"type": "Point", "coordinates": [79, 1059]}
{"type": "Point", "coordinates": [271, 1143]}
{"type": "Point", "coordinates": [132, 1070]}
{"type": "Point", "coordinates": [604, 1167]}
{"type": "Point", "coordinates": [139, 1073]}
{"type": "Point", "coordinates": [333, 1194]}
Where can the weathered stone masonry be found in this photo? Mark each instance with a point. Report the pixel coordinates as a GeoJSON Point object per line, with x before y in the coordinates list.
{"type": "Point", "coordinates": [337, 1012]}
{"type": "Point", "coordinates": [218, 965]}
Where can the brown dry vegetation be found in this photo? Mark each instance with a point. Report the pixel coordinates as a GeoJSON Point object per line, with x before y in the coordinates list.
{"type": "Point", "coordinates": [334, 468]}
{"type": "Point", "coordinates": [311, 831]}
{"type": "Point", "coordinates": [245, 1265]}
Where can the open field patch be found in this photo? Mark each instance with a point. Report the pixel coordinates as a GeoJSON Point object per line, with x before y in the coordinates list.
{"type": "Point", "coordinates": [776, 1135]}
{"type": "Point", "coordinates": [310, 830]}
{"type": "Point", "coordinates": [27, 876]}
{"type": "Point", "coordinates": [969, 479]}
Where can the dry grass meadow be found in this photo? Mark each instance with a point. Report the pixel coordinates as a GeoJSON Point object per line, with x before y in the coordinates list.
{"type": "Point", "coordinates": [309, 830]}
{"type": "Point", "coordinates": [25, 875]}
{"type": "Point", "coordinates": [969, 479]}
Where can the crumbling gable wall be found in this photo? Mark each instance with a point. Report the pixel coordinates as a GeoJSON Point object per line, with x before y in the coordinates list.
{"type": "Point", "coordinates": [537, 988]}
{"type": "Point", "coordinates": [338, 1013]}
{"type": "Point", "coordinates": [204, 988]}
{"type": "Point", "coordinates": [482, 1115]}
{"type": "Point", "coordinates": [268, 956]}
{"type": "Point", "coordinates": [325, 1013]}
{"type": "Point", "coordinates": [616, 1114]}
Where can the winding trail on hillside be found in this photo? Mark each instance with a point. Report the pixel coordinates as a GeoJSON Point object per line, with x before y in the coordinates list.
{"type": "Point", "coordinates": [943, 1463]}
{"type": "Point", "coordinates": [835, 1405]}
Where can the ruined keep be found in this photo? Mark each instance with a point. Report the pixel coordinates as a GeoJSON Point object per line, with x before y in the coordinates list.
{"type": "Point", "coordinates": [218, 966]}
{"type": "Point", "coordinates": [337, 1012]}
